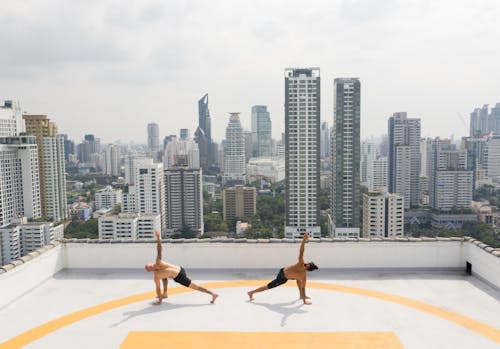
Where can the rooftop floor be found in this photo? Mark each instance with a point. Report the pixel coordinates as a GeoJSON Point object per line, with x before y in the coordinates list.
{"type": "Point", "coordinates": [351, 309]}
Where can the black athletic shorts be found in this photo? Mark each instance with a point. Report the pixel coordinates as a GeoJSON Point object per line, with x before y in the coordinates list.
{"type": "Point", "coordinates": [280, 279]}
{"type": "Point", "coordinates": [182, 279]}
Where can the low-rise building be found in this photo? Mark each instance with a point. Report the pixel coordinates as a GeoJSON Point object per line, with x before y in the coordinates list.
{"type": "Point", "coordinates": [239, 201]}
{"type": "Point", "coordinates": [383, 215]}
{"type": "Point", "coordinates": [108, 198]}
{"type": "Point", "coordinates": [18, 240]}
{"type": "Point", "coordinates": [129, 226]}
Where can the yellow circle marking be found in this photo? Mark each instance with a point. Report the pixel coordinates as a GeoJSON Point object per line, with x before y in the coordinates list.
{"type": "Point", "coordinates": [63, 321]}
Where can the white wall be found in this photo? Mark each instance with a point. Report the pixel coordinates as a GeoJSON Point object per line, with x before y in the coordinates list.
{"type": "Point", "coordinates": [23, 278]}
{"type": "Point", "coordinates": [432, 254]}
{"type": "Point", "coordinates": [484, 265]}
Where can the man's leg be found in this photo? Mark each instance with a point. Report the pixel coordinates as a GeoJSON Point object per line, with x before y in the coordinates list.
{"type": "Point", "coordinates": [260, 289]}
{"type": "Point", "coordinates": [197, 287]}
{"type": "Point", "coordinates": [165, 287]}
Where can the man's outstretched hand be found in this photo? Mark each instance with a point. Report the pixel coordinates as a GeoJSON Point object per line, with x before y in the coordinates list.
{"type": "Point", "coordinates": [157, 234]}
{"type": "Point", "coordinates": [306, 236]}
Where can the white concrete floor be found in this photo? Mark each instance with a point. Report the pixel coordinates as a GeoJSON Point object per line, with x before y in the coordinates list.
{"type": "Point", "coordinates": [277, 310]}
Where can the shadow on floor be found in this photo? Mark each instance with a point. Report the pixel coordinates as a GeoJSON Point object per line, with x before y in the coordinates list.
{"type": "Point", "coordinates": [284, 309]}
{"type": "Point", "coordinates": [151, 309]}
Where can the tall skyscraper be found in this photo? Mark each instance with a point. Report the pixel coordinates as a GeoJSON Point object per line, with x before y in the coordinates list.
{"type": "Point", "coordinates": [247, 138]}
{"type": "Point", "coordinates": [90, 146]}
{"type": "Point", "coordinates": [112, 160]}
{"type": "Point", "coordinates": [19, 179]}
{"type": "Point", "coordinates": [182, 153]}
{"type": "Point", "coordinates": [69, 147]}
{"type": "Point", "coordinates": [368, 156]}
{"type": "Point", "coordinates": [302, 149]}
{"type": "Point", "coordinates": [203, 134]}
{"type": "Point", "coordinates": [234, 152]}
{"type": "Point", "coordinates": [149, 187]}
{"type": "Point", "coordinates": [153, 137]}
{"type": "Point", "coordinates": [404, 158]}
{"type": "Point", "coordinates": [346, 155]}
{"type": "Point", "coordinates": [325, 144]}
{"type": "Point", "coordinates": [451, 183]}
{"type": "Point", "coordinates": [51, 166]}
{"type": "Point", "coordinates": [11, 119]}
{"type": "Point", "coordinates": [261, 131]}
{"type": "Point", "coordinates": [184, 134]}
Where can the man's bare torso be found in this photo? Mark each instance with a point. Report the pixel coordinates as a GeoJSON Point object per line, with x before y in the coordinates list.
{"type": "Point", "coordinates": [166, 270]}
{"type": "Point", "coordinates": [296, 272]}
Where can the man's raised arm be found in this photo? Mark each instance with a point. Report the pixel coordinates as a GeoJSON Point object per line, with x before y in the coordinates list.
{"type": "Point", "coordinates": [301, 252]}
{"type": "Point", "coordinates": [158, 246]}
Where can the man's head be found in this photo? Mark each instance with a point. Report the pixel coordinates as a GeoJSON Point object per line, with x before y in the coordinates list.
{"type": "Point", "coordinates": [149, 267]}
{"type": "Point", "coordinates": [310, 266]}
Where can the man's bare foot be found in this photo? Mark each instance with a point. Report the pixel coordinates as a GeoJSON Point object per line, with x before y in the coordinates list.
{"type": "Point", "coordinates": [250, 295]}
{"type": "Point", "coordinates": [308, 303]}
{"type": "Point", "coordinates": [164, 296]}
{"type": "Point", "coordinates": [214, 297]}
{"type": "Point", "coordinates": [158, 302]}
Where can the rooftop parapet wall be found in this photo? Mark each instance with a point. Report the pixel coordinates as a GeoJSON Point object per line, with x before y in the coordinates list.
{"type": "Point", "coordinates": [22, 275]}
{"type": "Point", "coordinates": [247, 254]}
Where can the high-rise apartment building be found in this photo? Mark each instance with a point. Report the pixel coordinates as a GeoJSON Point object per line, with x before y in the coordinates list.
{"type": "Point", "coordinates": [184, 200]}
{"type": "Point", "coordinates": [451, 183]}
{"type": "Point", "coordinates": [11, 119]}
{"type": "Point", "coordinates": [346, 155]}
{"type": "Point", "coordinates": [261, 131]}
{"type": "Point", "coordinates": [302, 149]}
{"type": "Point", "coordinates": [149, 186]}
{"type": "Point", "coordinates": [112, 160]}
{"type": "Point", "coordinates": [153, 137]}
{"type": "Point", "coordinates": [238, 202]}
{"type": "Point", "coordinates": [383, 215]}
{"type": "Point", "coordinates": [203, 134]}
{"type": "Point", "coordinates": [491, 157]}
{"type": "Point", "coordinates": [404, 158]}
{"type": "Point", "coordinates": [325, 142]}
{"type": "Point", "coordinates": [234, 152]}
{"type": "Point", "coordinates": [51, 166]}
{"type": "Point", "coordinates": [379, 180]}
{"type": "Point", "coordinates": [19, 179]}
{"type": "Point", "coordinates": [54, 174]}
{"type": "Point", "coordinates": [484, 121]}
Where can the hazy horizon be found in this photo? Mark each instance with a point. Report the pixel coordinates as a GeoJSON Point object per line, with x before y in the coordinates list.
{"type": "Point", "coordinates": [111, 68]}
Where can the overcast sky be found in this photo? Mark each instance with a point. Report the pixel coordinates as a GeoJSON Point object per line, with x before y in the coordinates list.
{"type": "Point", "coordinates": [110, 67]}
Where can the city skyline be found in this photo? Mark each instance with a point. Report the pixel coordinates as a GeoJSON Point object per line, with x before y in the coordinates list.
{"type": "Point", "coordinates": [439, 49]}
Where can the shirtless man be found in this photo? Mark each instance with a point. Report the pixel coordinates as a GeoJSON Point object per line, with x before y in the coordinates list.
{"type": "Point", "coordinates": [296, 272]}
{"type": "Point", "coordinates": [163, 270]}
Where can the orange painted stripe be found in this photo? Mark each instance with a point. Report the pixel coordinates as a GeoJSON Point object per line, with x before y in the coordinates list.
{"type": "Point", "coordinates": [259, 340]}
{"type": "Point", "coordinates": [56, 324]}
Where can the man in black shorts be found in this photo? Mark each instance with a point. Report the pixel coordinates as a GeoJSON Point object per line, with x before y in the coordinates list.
{"type": "Point", "coordinates": [296, 272]}
{"type": "Point", "coordinates": [163, 270]}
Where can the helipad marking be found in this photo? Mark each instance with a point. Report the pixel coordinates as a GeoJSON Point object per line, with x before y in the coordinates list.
{"type": "Point", "coordinates": [258, 340]}
{"type": "Point", "coordinates": [53, 325]}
